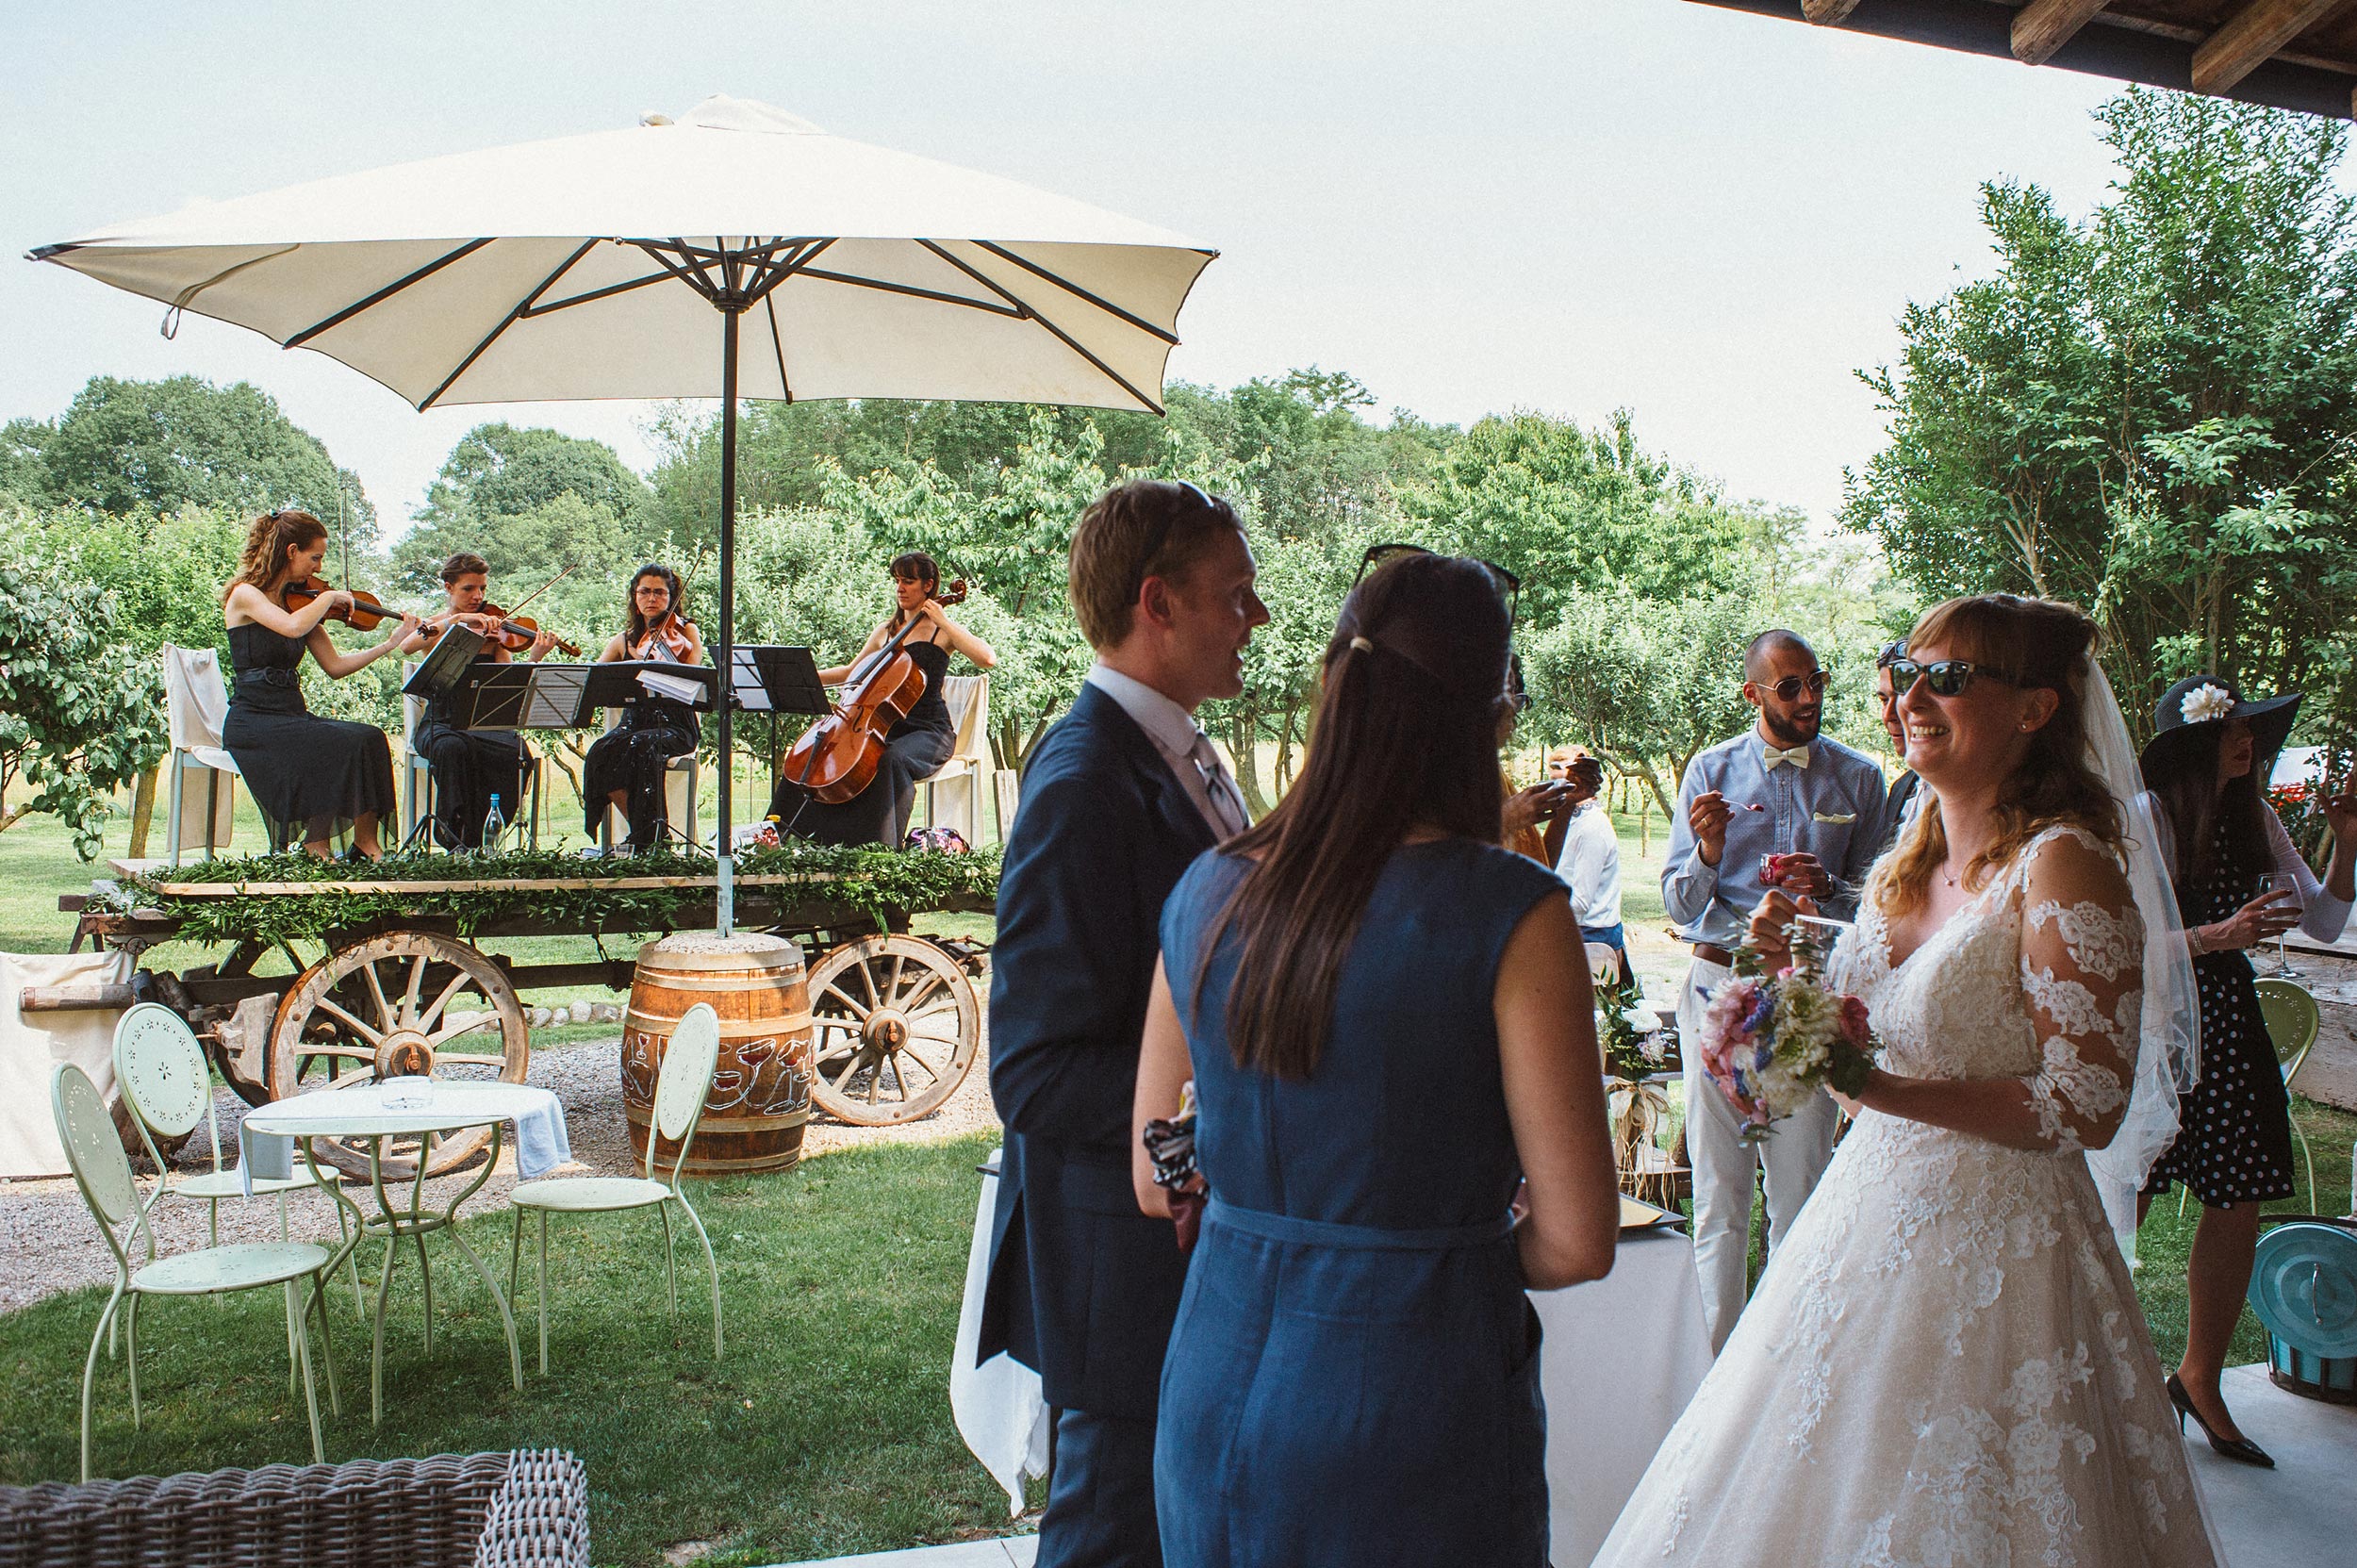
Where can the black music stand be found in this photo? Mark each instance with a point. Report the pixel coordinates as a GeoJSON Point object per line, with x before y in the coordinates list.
{"type": "Point", "coordinates": [771, 678]}
{"type": "Point", "coordinates": [616, 685]}
{"type": "Point", "coordinates": [445, 667]}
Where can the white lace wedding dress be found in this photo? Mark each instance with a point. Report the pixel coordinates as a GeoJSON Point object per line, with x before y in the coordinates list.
{"type": "Point", "coordinates": [1945, 1365]}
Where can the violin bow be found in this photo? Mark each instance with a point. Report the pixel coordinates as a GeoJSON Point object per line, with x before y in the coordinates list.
{"type": "Point", "coordinates": [543, 588]}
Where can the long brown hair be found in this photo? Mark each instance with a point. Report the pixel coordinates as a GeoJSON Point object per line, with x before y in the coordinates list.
{"type": "Point", "coordinates": [267, 538]}
{"type": "Point", "coordinates": [2220, 833]}
{"type": "Point", "coordinates": [1406, 737]}
{"type": "Point", "coordinates": [2035, 643]}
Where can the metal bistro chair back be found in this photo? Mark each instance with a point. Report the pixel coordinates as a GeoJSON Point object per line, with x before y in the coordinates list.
{"type": "Point", "coordinates": [2292, 1021]}
{"type": "Point", "coordinates": [102, 1172]}
{"type": "Point", "coordinates": [680, 1088]}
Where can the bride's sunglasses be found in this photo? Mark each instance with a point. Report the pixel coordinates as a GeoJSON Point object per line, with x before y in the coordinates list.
{"type": "Point", "coordinates": [1509, 585]}
{"type": "Point", "coordinates": [1945, 677]}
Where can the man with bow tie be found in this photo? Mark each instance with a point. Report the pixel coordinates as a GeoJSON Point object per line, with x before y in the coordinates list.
{"type": "Point", "coordinates": [1782, 790]}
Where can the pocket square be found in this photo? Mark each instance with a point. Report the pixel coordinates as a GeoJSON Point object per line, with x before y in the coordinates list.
{"type": "Point", "coordinates": [1838, 819]}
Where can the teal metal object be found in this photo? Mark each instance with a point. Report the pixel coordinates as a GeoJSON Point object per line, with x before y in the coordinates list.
{"type": "Point", "coordinates": [2304, 1286]}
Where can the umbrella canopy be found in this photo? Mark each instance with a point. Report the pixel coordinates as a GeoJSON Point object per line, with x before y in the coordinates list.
{"type": "Point", "coordinates": [589, 267]}
{"type": "Point", "coordinates": [737, 252]}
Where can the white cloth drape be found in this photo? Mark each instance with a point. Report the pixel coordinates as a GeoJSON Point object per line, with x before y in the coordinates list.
{"type": "Point", "coordinates": [32, 1044]}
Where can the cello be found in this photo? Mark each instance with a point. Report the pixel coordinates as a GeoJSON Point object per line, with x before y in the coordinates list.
{"type": "Point", "coordinates": [837, 758]}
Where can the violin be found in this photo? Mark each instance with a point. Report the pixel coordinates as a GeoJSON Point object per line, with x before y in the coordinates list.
{"type": "Point", "coordinates": [517, 633]}
{"type": "Point", "coordinates": [837, 758]}
{"type": "Point", "coordinates": [366, 613]}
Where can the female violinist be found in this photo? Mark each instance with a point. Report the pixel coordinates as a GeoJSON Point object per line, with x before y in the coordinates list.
{"type": "Point", "coordinates": [625, 765]}
{"type": "Point", "coordinates": [919, 745]}
{"type": "Point", "coordinates": [470, 765]}
{"type": "Point", "coordinates": [318, 776]}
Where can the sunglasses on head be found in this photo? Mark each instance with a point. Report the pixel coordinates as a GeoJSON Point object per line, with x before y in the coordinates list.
{"type": "Point", "coordinates": [1509, 585]}
{"type": "Point", "coordinates": [1945, 677]}
{"type": "Point", "coordinates": [1789, 689]}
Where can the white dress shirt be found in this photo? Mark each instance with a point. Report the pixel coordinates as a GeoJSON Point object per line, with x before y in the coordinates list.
{"type": "Point", "coordinates": [1175, 733]}
{"type": "Point", "coordinates": [1591, 865]}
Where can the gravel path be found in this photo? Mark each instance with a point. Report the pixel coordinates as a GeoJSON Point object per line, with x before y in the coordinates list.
{"type": "Point", "coordinates": [49, 1243]}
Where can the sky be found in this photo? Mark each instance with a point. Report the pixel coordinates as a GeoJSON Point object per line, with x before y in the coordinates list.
{"type": "Point", "coordinates": [1711, 219]}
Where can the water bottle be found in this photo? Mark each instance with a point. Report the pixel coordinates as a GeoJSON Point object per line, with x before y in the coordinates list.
{"type": "Point", "coordinates": [494, 824]}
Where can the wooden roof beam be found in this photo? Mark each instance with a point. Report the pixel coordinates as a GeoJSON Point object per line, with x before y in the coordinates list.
{"type": "Point", "coordinates": [1828, 13]}
{"type": "Point", "coordinates": [2043, 26]}
{"type": "Point", "coordinates": [2252, 38]}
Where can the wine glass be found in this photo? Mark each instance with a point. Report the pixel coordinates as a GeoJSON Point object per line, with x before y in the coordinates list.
{"type": "Point", "coordinates": [2273, 883]}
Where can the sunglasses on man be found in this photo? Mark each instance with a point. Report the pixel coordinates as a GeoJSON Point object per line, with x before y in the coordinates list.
{"type": "Point", "coordinates": [1509, 585]}
{"type": "Point", "coordinates": [1789, 689]}
{"type": "Point", "coordinates": [1945, 677]}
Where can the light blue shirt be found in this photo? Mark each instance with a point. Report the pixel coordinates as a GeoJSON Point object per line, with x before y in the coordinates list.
{"type": "Point", "coordinates": [1833, 809]}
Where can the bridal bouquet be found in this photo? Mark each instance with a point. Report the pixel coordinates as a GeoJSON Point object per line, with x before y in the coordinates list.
{"type": "Point", "coordinates": [1771, 1041]}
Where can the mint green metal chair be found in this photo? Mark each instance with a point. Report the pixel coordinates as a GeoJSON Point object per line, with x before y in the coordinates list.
{"type": "Point", "coordinates": [161, 1070]}
{"type": "Point", "coordinates": [103, 1172]}
{"type": "Point", "coordinates": [680, 1089]}
{"type": "Point", "coordinates": [2292, 1021]}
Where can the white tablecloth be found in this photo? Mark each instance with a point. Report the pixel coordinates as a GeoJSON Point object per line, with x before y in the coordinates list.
{"type": "Point", "coordinates": [542, 1144]}
{"type": "Point", "coordinates": [1620, 1358]}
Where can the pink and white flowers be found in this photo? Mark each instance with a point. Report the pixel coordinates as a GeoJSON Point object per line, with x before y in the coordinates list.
{"type": "Point", "coordinates": [1771, 1041]}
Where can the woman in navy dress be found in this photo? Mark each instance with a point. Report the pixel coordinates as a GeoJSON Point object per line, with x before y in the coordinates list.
{"type": "Point", "coordinates": [312, 778]}
{"type": "Point", "coordinates": [1386, 1019]}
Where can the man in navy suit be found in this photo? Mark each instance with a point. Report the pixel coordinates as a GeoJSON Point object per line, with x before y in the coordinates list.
{"type": "Point", "coordinates": [1117, 799]}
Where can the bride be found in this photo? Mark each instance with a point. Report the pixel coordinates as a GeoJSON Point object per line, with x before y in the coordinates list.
{"type": "Point", "coordinates": [1945, 1363]}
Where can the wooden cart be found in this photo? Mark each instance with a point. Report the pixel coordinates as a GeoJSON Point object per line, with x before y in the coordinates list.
{"type": "Point", "coordinates": [895, 1016]}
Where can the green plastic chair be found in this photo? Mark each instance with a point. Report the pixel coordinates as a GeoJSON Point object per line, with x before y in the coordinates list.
{"type": "Point", "coordinates": [2292, 1021]}
{"type": "Point", "coordinates": [103, 1172]}
{"type": "Point", "coordinates": [678, 1107]}
{"type": "Point", "coordinates": [161, 1070]}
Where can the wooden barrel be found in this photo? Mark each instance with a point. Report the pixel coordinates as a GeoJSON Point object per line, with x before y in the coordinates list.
{"type": "Point", "coordinates": [759, 1098]}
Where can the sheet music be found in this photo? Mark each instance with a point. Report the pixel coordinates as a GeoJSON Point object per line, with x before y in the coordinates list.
{"type": "Point", "coordinates": [745, 680]}
{"type": "Point", "coordinates": [553, 699]}
{"type": "Point", "coordinates": [679, 688]}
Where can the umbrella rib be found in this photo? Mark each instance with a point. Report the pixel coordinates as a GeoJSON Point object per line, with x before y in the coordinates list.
{"type": "Point", "coordinates": [692, 277]}
{"type": "Point", "coordinates": [1071, 287]}
{"type": "Point", "coordinates": [382, 294]}
{"type": "Point", "coordinates": [769, 305]}
{"type": "Point", "coordinates": [776, 275]}
{"type": "Point", "coordinates": [607, 293]}
{"type": "Point", "coordinates": [509, 319]}
{"type": "Point", "coordinates": [909, 288]}
{"type": "Point", "coordinates": [1030, 312]}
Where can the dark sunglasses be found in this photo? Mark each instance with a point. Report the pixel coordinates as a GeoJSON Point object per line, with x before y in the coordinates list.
{"type": "Point", "coordinates": [1945, 677]}
{"type": "Point", "coordinates": [1161, 536]}
{"type": "Point", "coordinates": [1509, 585]}
{"type": "Point", "coordinates": [1789, 689]}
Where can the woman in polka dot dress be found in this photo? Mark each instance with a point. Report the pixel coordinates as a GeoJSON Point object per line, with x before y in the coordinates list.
{"type": "Point", "coordinates": [2206, 766]}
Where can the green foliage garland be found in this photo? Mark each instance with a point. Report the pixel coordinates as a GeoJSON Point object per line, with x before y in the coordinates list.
{"type": "Point", "coordinates": [872, 880]}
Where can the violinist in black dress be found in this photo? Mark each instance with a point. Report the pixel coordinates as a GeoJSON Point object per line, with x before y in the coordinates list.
{"type": "Point", "coordinates": [917, 746]}
{"type": "Point", "coordinates": [625, 765]}
{"type": "Point", "coordinates": [470, 765]}
{"type": "Point", "coordinates": [312, 778]}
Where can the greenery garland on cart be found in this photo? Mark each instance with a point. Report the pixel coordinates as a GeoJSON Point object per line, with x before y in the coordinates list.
{"type": "Point", "coordinates": [872, 880]}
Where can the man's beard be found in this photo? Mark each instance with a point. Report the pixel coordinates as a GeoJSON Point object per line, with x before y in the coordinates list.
{"type": "Point", "coordinates": [1789, 733]}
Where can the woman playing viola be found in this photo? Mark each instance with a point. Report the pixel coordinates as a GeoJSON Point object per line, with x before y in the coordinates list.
{"type": "Point", "coordinates": [919, 745]}
{"type": "Point", "coordinates": [318, 776]}
{"type": "Point", "coordinates": [470, 765]}
{"type": "Point", "coordinates": [625, 765]}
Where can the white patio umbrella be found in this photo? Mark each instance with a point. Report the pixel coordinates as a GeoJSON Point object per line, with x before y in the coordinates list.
{"type": "Point", "coordinates": [738, 251]}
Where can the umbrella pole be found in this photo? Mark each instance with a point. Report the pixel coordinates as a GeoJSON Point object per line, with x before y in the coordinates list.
{"type": "Point", "coordinates": [725, 901]}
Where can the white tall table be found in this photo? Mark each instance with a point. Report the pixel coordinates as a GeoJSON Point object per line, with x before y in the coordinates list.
{"type": "Point", "coordinates": [361, 1113]}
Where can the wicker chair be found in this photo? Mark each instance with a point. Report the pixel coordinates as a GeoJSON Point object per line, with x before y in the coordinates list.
{"type": "Point", "coordinates": [525, 1509]}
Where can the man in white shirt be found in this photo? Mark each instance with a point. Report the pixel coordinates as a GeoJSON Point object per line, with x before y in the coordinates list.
{"type": "Point", "coordinates": [1587, 855]}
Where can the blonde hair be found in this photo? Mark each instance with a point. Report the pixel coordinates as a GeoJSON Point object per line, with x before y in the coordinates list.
{"type": "Point", "coordinates": [1147, 528]}
{"type": "Point", "coordinates": [2032, 643]}
{"type": "Point", "coordinates": [267, 540]}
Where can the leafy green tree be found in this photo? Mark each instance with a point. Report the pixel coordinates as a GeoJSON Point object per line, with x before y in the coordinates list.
{"type": "Point", "coordinates": [81, 711]}
{"type": "Point", "coordinates": [2149, 411]}
{"type": "Point", "coordinates": [531, 502]}
{"type": "Point", "coordinates": [157, 445]}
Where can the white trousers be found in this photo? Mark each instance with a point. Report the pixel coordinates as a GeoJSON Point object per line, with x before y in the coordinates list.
{"type": "Point", "coordinates": [1795, 1154]}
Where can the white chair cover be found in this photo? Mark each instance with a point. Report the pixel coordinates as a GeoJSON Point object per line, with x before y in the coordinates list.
{"type": "Point", "coordinates": [952, 796]}
{"type": "Point", "coordinates": [32, 1044]}
{"type": "Point", "coordinates": [196, 702]}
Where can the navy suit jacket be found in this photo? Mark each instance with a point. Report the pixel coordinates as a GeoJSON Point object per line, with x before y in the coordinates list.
{"type": "Point", "coordinates": [1084, 1287]}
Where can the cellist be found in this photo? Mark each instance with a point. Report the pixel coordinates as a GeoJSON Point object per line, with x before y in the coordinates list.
{"type": "Point", "coordinates": [470, 765]}
{"type": "Point", "coordinates": [917, 746]}
{"type": "Point", "coordinates": [625, 765]}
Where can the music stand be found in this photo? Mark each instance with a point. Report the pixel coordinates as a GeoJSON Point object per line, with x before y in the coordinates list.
{"type": "Point", "coordinates": [769, 678]}
{"type": "Point", "coordinates": [615, 684]}
{"type": "Point", "coordinates": [445, 664]}
{"type": "Point", "coordinates": [523, 697]}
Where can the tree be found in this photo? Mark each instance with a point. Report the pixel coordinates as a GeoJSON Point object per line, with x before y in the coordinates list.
{"type": "Point", "coordinates": [531, 502]}
{"type": "Point", "coordinates": [2149, 411]}
{"type": "Point", "coordinates": [81, 711]}
{"type": "Point", "coordinates": [157, 445]}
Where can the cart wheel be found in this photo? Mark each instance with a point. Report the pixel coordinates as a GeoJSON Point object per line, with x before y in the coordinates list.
{"type": "Point", "coordinates": [895, 1028]}
{"type": "Point", "coordinates": [376, 1009]}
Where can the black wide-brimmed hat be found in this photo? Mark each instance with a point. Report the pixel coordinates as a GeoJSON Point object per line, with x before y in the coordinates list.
{"type": "Point", "coordinates": [2199, 701]}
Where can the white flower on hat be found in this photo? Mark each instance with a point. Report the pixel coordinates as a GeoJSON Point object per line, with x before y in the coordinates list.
{"type": "Point", "coordinates": [2205, 703]}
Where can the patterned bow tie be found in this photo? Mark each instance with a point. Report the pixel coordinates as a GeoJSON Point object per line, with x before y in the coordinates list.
{"type": "Point", "coordinates": [1797, 756]}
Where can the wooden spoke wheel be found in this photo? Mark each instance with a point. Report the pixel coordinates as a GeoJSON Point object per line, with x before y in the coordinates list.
{"type": "Point", "coordinates": [895, 1027]}
{"type": "Point", "coordinates": [381, 1009]}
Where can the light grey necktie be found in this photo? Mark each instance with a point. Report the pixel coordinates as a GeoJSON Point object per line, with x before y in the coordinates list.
{"type": "Point", "coordinates": [1227, 804]}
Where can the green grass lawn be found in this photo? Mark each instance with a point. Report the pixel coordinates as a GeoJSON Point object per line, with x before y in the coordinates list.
{"type": "Point", "coordinates": [825, 1431]}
